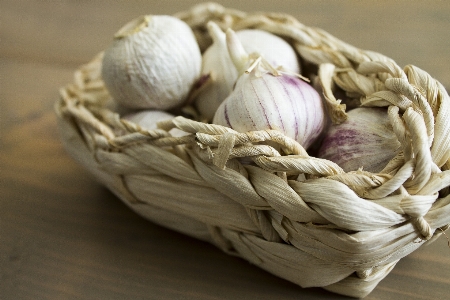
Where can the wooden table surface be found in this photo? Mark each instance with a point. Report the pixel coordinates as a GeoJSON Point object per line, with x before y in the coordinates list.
{"type": "Point", "coordinates": [64, 236]}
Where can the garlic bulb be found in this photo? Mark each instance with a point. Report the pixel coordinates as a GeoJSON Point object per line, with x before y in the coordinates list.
{"type": "Point", "coordinates": [265, 101]}
{"type": "Point", "coordinates": [274, 49]}
{"type": "Point", "coordinates": [217, 65]}
{"type": "Point", "coordinates": [152, 63]}
{"type": "Point", "coordinates": [147, 119]}
{"type": "Point", "coordinates": [365, 140]}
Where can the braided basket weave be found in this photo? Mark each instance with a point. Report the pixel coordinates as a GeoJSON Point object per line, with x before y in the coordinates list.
{"type": "Point", "coordinates": [341, 231]}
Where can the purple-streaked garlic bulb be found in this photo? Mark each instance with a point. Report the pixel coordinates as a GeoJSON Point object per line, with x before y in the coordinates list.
{"type": "Point", "coordinates": [265, 101]}
{"type": "Point", "coordinates": [148, 119]}
{"type": "Point", "coordinates": [218, 67]}
{"type": "Point", "coordinates": [365, 140]}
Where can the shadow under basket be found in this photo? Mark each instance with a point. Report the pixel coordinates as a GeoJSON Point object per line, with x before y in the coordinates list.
{"type": "Point", "coordinates": [294, 215]}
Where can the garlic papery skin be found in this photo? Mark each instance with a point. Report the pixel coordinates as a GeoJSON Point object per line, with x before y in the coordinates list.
{"type": "Point", "coordinates": [221, 72]}
{"type": "Point", "coordinates": [152, 63]}
{"type": "Point", "coordinates": [148, 119]}
{"type": "Point", "coordinates": [365, 140]}
{"type": "Point", "coordinates": [275, 50]}
{"type": "Point", "coordinates": [262, 101]}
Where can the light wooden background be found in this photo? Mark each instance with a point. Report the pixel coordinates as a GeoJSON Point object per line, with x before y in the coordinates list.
{"type": "Point", "coordinates": [63, 236]}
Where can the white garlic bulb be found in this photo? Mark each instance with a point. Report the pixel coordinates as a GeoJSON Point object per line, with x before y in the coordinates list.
{"type": "Point", "coordinates": [152, 63]}
{"type": "Point", "coordinates": [366, 139]}
{"type": "Point", "coordinates": [265, 101]}
{"type": "Point", "coordinates": [148, 120]}
{"type": "Point", "coordinates": [275, 50]}
{"type": "Point", "coordinates": [221, 73]}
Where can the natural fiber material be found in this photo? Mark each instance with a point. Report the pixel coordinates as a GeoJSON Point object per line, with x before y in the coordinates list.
{"type": "Point", "coordinates": [294, 215]}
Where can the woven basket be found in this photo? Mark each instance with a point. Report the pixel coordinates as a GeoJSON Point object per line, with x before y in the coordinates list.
{"type": "Point", "coordinates": [341, 231]}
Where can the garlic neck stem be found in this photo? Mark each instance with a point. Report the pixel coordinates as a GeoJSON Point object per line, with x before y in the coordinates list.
{"type": "Point", "coordinates": [237, 52]}
{"type": "Point", "coordinates": [132, 27]}
{"type": "Point", "coordinates": [217, 35]}
{"type": "Point", "coordinates": [253, 65]}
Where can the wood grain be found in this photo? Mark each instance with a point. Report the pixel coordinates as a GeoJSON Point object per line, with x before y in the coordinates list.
{"type": "Point", "coordinates": [63, 236]}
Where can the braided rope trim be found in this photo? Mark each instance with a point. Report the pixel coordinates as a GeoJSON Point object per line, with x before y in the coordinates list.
{"type": "Point", "coordinates": [254, 200]}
